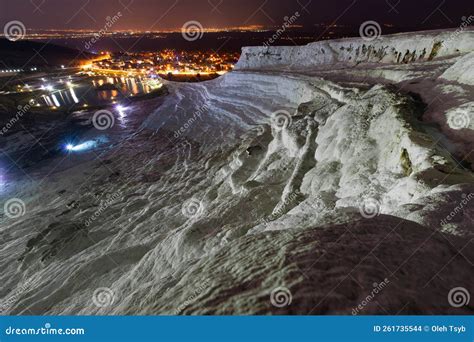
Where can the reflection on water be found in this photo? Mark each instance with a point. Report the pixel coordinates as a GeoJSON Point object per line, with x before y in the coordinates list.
{"type": "Point", "coordinates": [95, 90]}
{"type": "Point", "coordinates": [107, 94]}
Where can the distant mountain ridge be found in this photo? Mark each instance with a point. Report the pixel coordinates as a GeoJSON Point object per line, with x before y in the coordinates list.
{"type": "Point", "coordinates": [21, 54]}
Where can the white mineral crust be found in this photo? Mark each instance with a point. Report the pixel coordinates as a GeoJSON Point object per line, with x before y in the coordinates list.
{"type": "Point", "coordinates": [324, 169]}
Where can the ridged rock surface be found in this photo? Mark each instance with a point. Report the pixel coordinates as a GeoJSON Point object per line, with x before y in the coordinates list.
{"type": "Point", "coordinates": [301, 183]}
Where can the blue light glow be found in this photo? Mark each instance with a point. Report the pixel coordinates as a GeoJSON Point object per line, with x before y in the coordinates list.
{"type": "Point", "coordinates": [2, 180]}
{"type": "Point", "coordinates": [90, 144]}
{"type": "Point", "coordinates": [121, 110]}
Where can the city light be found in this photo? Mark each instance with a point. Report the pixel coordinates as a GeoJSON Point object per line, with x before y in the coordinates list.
{"type": "Point", "coordinates": [164, 62]}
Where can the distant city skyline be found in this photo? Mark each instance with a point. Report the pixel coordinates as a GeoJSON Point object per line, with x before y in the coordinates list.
{"type": "Point", "coordinates": [149, 15]}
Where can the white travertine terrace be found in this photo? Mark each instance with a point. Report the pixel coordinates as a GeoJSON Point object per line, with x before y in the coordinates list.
{"type": "Point", "coordinates": [243, 200]}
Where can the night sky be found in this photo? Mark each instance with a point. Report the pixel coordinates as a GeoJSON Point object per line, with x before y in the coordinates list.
{"type": "Point", "coordinates": [171, 14]}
